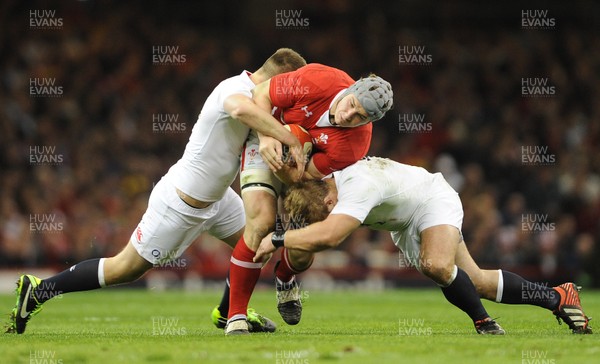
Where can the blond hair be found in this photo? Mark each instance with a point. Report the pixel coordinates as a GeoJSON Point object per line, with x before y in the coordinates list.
{"type": "Point", "coordinates": [305, 201]}
{"type": "Point", "coordinates": [283, 60]}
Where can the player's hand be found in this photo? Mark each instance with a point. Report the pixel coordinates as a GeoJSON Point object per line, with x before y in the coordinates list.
{"type": "Point", "coordinates": [264, 250]}
{"type": "Point", "coordinates": [289, 174]}
{"type": "Point", "coordinates": [297, 152]}
{"type": "Point", "coordinates": [271, 150]}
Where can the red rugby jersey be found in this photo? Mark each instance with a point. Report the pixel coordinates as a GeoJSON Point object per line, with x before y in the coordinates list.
{"type": "Point", "coordinates": [304, 97]}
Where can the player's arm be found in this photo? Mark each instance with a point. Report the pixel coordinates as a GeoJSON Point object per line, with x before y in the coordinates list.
{"type": "Point", "coordinates": [256, 117]}
{"type": "Point", "coordinates": [311, 171]}
{"type": "Point", "coordinates": [322, 235]}
{"type": "Point", "coordinates": [244, 109]}
{"type": "Point", "coordinates": [291, 174]}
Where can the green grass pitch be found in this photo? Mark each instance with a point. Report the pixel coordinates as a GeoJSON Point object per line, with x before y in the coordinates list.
{"type": "Point", "coordinates": [394, 326]}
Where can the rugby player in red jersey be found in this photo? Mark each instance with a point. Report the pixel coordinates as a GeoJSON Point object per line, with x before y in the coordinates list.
{"type": "Point", "coordinates": [337, 112]}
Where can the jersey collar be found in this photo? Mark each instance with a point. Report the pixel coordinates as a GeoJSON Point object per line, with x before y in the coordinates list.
{"type": "Point", "coordinates": [324, 119]}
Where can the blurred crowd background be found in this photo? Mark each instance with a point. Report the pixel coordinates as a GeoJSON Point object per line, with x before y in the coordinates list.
{"type": "Point", "coordinates": [470, 94]}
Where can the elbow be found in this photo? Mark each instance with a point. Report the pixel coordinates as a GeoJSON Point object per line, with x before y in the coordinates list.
{"type": "Point", "coordinates": [239, 112]}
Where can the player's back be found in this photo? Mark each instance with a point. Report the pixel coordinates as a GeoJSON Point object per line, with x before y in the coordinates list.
{"type": "Point", "coordinates": [211, 158]}
{"type": "Point", "coordinates": [396, 190]}
{"type": "Point", "coordinates": [304, 96]}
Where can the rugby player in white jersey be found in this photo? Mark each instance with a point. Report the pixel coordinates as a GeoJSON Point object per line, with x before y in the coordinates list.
{"type": "Point", "coordinates": [194, 196]}
{"type": "Point", "coordinates": [424, 215]}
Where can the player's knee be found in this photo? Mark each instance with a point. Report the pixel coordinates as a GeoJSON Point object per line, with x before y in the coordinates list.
{"type": "Point", "coordinates": [254, 233]}
{"type": "Point", "coordinates": [119, 269]}
{"type": "Point", "coordinates": [440, 273]}
{"type": "Point", "coordinates": [299, 259]}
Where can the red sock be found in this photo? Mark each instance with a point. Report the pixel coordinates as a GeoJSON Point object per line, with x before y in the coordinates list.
{"type": "Point", "coordinates": [243, 275]}
{"type": "Point", "coordinates": [285, 272]}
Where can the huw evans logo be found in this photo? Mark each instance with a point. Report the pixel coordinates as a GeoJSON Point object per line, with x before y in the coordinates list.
{"type": "Point", "coordinates": [536, 357]}
{"type": "Point", "coordinates": [537, 155]}
{"type": "Point", "coordinates": [44, 154]}
{"type": "Point", "coordinates": [40, 223]}
{"type": "Point", "coordinates": [414, 55]}
{"type": "Point", "coordinates": [167, 55]}
{"type": "Point", "coordinates": [536, 223]}
{"type": "Point", "coordinates": [537, 20]}
{"type": "Point", "coordinates": [537, 87]}
{"type": "Point", "coordinates": [413, 123]}
{"type": "Point", "coordinates": [44, 357]}
{"type": "Point", "coordinates": [44, 87]}
{"type": "Point", "coordinates": [167, 123]}
{"type": "Point", "coordinates": [44, 19]}
{"type": "Point", "coordinates": [413, 327]}
{"type": "Point", "coordinates": [291, 20]}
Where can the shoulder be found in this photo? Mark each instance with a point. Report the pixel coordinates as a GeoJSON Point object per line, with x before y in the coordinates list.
{"type": "Point", "coordinates": [316, 72]}
{"type": "Point", "coordinates": [345, 144]}
{"type": "Point", "coordinates": [239, 83]}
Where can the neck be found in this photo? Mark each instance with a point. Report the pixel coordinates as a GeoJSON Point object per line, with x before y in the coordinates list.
{"type": "Point", "coordinates": [258, 77]}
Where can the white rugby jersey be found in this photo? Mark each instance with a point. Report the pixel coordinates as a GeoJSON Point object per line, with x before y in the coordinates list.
{"type": "Point", "coordinates": [211, 159]}
{"type": "Point", "coordinates": [383, 194]}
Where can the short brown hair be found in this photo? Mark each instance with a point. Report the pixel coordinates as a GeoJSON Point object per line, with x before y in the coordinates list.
{"type": "Point", "coordinates": [304, 201]}
{"type": "Point", "coordinates": [283, 60]}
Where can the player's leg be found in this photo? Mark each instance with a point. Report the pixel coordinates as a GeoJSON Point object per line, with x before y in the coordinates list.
{"type": "Point", "coordinates": [259, 207]}
{"type": "Point", "coordinates": [289, 303]}
{"type": "Point", "coordinates": [90, 274]}
{"type": "Point", "coordinates": [291, 263]}
{"type": "Point", "coordinates": [228, 225]}
{"type": "Point", "coordinates": [163, 233]}
{"type": "Point", "coordinates": [506, 287]}
{"type": "Point", "coordinates": [439, 245]}
{"type": "Point", "coordinates": [259, 189]}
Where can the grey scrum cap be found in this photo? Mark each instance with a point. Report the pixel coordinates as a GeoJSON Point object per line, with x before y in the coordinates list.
{"type": "Point", "coordinates": [374, 94]}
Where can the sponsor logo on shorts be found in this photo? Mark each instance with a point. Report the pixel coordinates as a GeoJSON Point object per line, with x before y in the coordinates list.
{"type": "Point", "coordinates": [138, 235]}
{"type": "Point", "coordinates": [252, 154]}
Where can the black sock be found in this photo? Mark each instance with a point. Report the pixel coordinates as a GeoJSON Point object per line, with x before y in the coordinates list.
{"type": "Point", "coordinates": [516, 290]}
{"type": "Point", "coordinates": [463, 294]}
{"type": "Point", "coordinates": [80, 277]}
{"type": "Point", "coordinates": [224, 305]}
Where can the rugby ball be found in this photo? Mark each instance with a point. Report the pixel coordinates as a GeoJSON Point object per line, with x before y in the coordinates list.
{"type": "Point", "coordinates": [304, 138]}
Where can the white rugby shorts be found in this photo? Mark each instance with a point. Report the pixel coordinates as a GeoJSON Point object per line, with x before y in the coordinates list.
{"type": "Point", "coordinates": [443, 207]}
{"type": "Point", "coordinates": [255, 174]}
{"type": "Point", "coordinates": [169, 225]}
